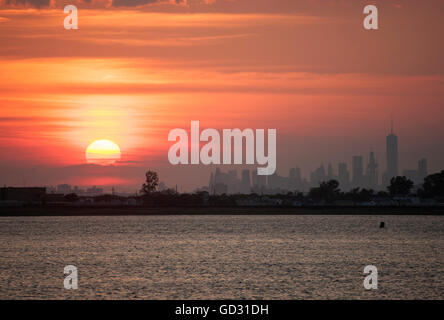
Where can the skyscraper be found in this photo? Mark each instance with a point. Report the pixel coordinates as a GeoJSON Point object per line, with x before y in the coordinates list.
{"type": "Point", "coordinates": [392, 157]}
{"type": "Point", "coordinates": [330, 174]}
{"type": "Point", "coordinates": [246, 182]}
{"type": "Point", "coordinates": [294, 178]}
{"type": "Point", "coordinates": [343, 176]}
{"type": "Point", "coordinates": [358, 171]}
{"type": "Point", "coordinates": [372, 172]}
{"type": "Point", "coordinates": [422, 170]}
{"type": "Point", "coordinates": [418, 175]}
{"type": "Point", "coordinates": [211, 184]}
{"type": "Point", "coordinates": [318, 176]}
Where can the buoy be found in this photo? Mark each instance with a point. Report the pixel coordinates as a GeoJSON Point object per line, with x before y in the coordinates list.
{"type": "Point", "coordinates": [382, 224]}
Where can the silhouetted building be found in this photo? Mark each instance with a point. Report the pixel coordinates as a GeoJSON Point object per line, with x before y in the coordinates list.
{"type": "Point", "coordinates": [259, 182]}
{"type": "Point", "coordinates": [94, 191]}
{"type": "Point", "coordinates": [246, 182]}
{"type": "Point", "coordinates": [318, 176]}
{"type": "Point", "coordinates": [358, 171]}
{"type": "Point", "coordinates": [274, 181]}
{"type": "Point", "coordinates": [417, 176]}
{"type": "Point", "coordinates": [162, 187]}
{"type": "Point", "coordinates": [392, 157]}
{"type": "Point", "coordinates": [233, 182]}
{"type": "Point", "coordinates": [343, 176]}
{"type": "Point", "coordinates": [294, 179]}
{"type": "Point", "coordinates": [422, 170]}
{"type": "Point", "coordinates": [330, 174]}
{"type": "Point", "coordinates": [220, 188]}
{"type": "Point", "coordinates": [78, 191]}
{"type": "Point", "coordinates": [372, 172]}
{"type": "Point", "coordinates": [411, 175]}
{"type": "Point", "coordinates": [64, 188]}
{"type": "Point", "coordinates": [22, 194]}
{"type": "Point", "coordinates": [211, 184]}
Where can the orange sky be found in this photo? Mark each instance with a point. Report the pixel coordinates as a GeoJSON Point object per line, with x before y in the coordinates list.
{"type": "Point", "coordinates": [131, 74]}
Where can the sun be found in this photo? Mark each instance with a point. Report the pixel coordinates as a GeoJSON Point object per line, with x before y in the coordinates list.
{"type": "Point", "coordinates": [104, 152]}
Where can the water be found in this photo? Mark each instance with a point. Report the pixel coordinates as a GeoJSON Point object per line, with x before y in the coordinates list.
{"type": "Point", "coordinates": [222, 257]}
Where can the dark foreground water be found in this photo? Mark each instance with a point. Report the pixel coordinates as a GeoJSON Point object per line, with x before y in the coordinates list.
{"type": "Point", "coordinates": [218, 257]}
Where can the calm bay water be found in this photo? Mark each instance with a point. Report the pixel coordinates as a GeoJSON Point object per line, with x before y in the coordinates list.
{"type": "Point", "coordinates": [222, 257]}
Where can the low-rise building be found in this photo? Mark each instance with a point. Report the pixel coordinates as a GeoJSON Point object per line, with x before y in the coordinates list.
{"type": "Point", "coordinates": [36, 194]}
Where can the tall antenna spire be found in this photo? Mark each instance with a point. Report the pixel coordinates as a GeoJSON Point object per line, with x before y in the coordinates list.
{"type": "Point", "coordinates": [391, 123]}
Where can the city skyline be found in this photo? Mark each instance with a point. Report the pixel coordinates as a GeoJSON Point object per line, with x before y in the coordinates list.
{"type": "Point", "coordinates": [368, 178]}
{"type": "Point", "coordinates": [360, 175]}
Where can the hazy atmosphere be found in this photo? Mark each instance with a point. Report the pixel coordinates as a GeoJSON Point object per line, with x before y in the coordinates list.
{"type": "Point", "coordinates": [134, 70]}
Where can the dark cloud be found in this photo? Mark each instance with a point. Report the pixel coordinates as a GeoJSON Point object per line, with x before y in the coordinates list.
{"type": "Point", "coordinates": [132, 3]}
{"type": "Point", "coordinates": [100, 4]}
{"type": "Point", "coordinates": [34, 3]}
{"type": "Point", "coordinates": [135, 3]}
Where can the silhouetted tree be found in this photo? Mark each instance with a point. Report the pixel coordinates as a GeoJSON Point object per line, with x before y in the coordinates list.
{"type": "Point", "coordinates": [151, 182]}
{"type": "Point", "coordinates": [433, 185]}
{"type": "Point", "coordinates": [400, 186]}
{"type": "Point", "coordinates": [108, 198]}
{"type": "Point", "coordinates": [359, 195]}
{"type": "Point", "coordinates": [382, 194]}
{"type": "Point", "coordinates": [327, 191]}
{"type": "Point", "coordinates": [366, 194]}
{"type": "Point", "coordinates": [354, 195]}
{"type": "Point", "coordinates": [72, 197]}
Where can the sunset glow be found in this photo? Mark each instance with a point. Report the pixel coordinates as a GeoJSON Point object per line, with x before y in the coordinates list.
{"type": "Point", "coordinates": [132, 74]}
{"type": "Point", "coordinates": [212, 158]}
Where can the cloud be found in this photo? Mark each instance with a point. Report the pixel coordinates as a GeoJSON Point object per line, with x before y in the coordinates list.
{"type": "Point", "coordinates": [31, 119]}
{"type": "Point", "coordinates": [27, 3]}
{"type": "Point", "coordinates": [133, 3]}
{"type": "Point", "coordinates": [99, 3]}
{"type": "Point", "coordinates": [136, 3]}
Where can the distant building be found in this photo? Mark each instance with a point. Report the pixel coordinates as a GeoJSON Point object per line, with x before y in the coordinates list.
{"type": "Point", "coordinates": [411, 175]}
{"type": "Point", "coordinates": [246, 182]}
{"type": "Point", "coordinates": [161, 187]}
{"type": "Point", "coordinates": [78, 191]}
{"type": "Point", "coordinates": [372, 172]}
{"type": "Point", "coordinates": [232, 182]}
{"type": "Point", "coordinates": [94, 191]}
{"type": "Point", "coordinates": [22, 194]}
{"type": "Point", "coordinates": [54, 197]}
{"type": "Point", "coordinates": [64, 189]}
{"type": "Point", "coordinates": [318, 176]}
{"type": "Point", "coordinates": [358, 171]}
{"type": "Point", "coordinates": [417, 176]}
{"type": "Point", "coordinates": [220, 188]}
{"type": "Point", "coordinates": [277, 183]}
{"type": "Point", "coordinates": [259, 183]}
{"type": "Point", "coordinates": [343, 176]}
{"type": "Point", "coordinates": [294, 179]}
{"type": "Point", "coordinates": [392, 158]}
{"type": "Point", "coordinates": [422, 170]}
{"type": "Point", "coordinates": [330, 174]}
{"type": "Point", "coordinates": [211, 183]}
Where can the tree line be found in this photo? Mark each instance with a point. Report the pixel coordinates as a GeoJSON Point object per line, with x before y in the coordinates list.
{"type": "Point", "coordinates": [326, 193]}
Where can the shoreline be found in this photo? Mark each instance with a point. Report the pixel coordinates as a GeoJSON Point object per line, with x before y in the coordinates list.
{"type": "Point", "coordinates": [263, 210]}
